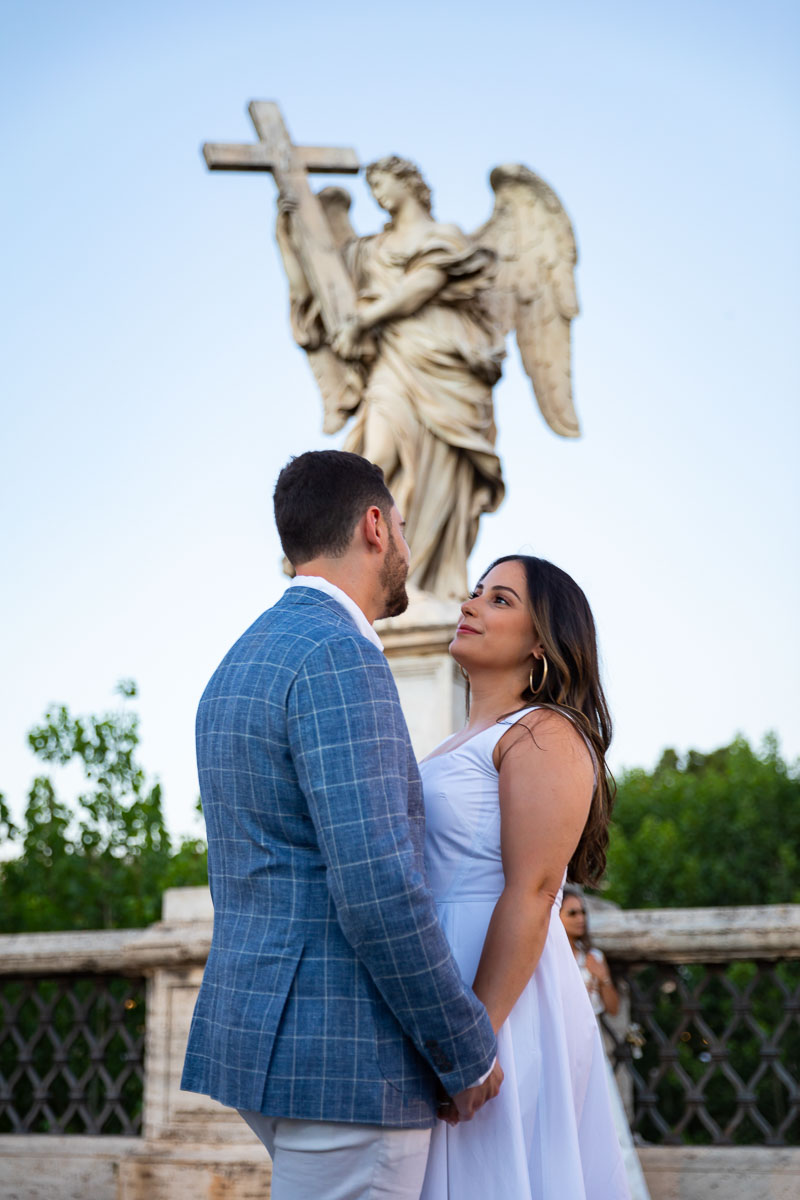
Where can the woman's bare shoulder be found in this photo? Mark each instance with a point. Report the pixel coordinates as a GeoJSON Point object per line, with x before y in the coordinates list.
{"type": "Point", "coordinates": [544, 732]}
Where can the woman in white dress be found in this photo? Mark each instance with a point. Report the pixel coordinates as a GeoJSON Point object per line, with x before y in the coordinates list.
{"type": "Point", "coordinates": [514, 800]}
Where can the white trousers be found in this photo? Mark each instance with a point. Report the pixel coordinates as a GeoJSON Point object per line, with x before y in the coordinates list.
{"type": "Point", "coordinates": [332, 1160]}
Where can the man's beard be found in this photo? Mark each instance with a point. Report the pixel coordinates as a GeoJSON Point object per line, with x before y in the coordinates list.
{"type": "Point", "coordinates": [394, 573]}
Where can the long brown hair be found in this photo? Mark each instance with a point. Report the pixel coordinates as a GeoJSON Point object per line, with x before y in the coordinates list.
{"type": "Point", "coordinates": [565, 626]}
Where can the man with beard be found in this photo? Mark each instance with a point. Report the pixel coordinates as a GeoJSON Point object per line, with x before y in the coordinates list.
{"type": "Point", "coordinates": [331, 1014]}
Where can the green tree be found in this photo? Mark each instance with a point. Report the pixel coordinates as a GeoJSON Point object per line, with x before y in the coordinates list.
{"type": "Point", "coordinates": [708, 829]}
{"type": "Point", "coordinates": [104, 861]}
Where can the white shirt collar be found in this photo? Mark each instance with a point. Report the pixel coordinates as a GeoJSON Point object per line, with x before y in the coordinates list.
{"type": "Point", "coordinates": [330, 589]}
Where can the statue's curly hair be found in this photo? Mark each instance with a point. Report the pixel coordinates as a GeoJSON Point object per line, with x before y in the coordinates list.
{"type": "Point", "coordinates": [409, 172]}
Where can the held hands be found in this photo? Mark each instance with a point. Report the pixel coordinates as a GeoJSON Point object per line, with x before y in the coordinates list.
{"type": "Point", "coordinates": [464, 1105]}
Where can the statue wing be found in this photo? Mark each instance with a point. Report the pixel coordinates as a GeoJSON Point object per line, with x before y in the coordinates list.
{"type": "Point", "coordinates": [534, 291]}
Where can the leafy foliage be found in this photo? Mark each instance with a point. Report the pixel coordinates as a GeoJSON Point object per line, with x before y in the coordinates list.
{"type": "Point", "coordinates": [104, 862]}
{"type": "Point", "coordinates": [711, 829]}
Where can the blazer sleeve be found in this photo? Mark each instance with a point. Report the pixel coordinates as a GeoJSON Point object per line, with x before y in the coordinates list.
{"type": "Point", "coordinates": [348, 736]}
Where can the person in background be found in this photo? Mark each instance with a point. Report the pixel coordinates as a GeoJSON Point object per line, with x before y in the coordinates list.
{"type": "Point", "coordinates": [593, 966]}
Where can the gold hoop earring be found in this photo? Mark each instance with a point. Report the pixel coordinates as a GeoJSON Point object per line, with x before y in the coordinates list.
{"type": "Point", "coordinates": [535, 690]}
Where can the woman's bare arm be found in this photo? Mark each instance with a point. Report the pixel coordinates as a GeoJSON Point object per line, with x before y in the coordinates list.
{"type": "Point", "coordinates": [598, 967]}
{"type": "Point", "coordinates": [546, 783]}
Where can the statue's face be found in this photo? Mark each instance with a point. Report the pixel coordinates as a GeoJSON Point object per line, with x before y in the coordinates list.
{"type": "Point", "coordinates": [388, 190]}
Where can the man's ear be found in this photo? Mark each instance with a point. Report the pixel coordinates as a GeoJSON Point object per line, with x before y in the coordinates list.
{"type": "Point", "coordinates": [374, 528]}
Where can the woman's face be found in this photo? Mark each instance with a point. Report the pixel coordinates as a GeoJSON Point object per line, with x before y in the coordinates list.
{"type": "Point", "coordinates": [573, 916]}
{"type": "Point", "coordinates": [496, 628]}
{"type": "Point", "coordinates": [388, 190]}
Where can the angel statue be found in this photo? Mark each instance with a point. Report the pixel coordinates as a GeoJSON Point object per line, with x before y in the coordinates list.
{"type": "Point", "coordinates": [414, 363]}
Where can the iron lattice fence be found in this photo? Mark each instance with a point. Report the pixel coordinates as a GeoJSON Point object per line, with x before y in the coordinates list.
{"type": "Point", "coordinates": [720, 1063]}
{"type": "Point", "coordinates": [72, 1054]}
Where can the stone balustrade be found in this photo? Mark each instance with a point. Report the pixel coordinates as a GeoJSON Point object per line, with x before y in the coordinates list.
{"type": "Point", "coordinates": [192, 1147]}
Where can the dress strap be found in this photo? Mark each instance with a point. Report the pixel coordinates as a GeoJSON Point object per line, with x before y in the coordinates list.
{"type": "Point", "coordinates": [504, 724]}
{"type": "Point", "coordinates": [514, 719]}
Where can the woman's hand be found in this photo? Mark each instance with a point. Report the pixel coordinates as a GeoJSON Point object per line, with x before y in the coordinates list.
{"type": "Point", "coordinates": [448, 1112]}
{"type": "Point", "coordinates": [598, 969]}
{"type": "Point", "coordinates": [446, 1109]}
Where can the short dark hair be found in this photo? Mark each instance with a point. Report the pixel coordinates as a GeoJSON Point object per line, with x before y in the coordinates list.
{"type": "Point", "coordinates": [319, 498]}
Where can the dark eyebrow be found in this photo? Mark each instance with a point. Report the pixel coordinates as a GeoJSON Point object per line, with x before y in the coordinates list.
{"type": "Point", "coordinates": [499, 587]}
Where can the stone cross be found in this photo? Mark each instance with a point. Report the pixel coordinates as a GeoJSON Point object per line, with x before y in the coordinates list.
{"type": "Point", "coordinates": [290, 165]}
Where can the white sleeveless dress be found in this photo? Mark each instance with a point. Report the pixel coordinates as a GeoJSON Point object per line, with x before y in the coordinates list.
{"type": "Point", "coordinates": [549, 1134]}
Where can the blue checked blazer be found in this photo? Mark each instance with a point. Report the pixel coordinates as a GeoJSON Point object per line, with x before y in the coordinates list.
{"type": "Point", "coordinates": [330, 992]}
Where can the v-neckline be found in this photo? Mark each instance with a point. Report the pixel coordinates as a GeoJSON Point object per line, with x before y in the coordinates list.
{"type": "Point", "coordinates": [443, 753]}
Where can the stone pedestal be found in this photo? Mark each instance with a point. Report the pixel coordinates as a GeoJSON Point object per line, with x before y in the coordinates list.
{"type": "Point", "coordinates": [431, 686]}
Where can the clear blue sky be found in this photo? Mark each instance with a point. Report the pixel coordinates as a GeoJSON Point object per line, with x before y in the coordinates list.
{"type": "Point", "coordinates": [152, 391]}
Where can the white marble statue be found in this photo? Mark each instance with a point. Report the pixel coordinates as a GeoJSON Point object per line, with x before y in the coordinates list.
{"type": "Point", "coordinates": [405, 330]}
{"type": "Point", "coordinates": [426, 342]}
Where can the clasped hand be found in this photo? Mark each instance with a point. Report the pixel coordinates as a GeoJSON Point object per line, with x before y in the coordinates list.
{"type": "Point", "coordinates": [345, 341]}
{"type": "Point", "coordinates": [464, 1105]}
